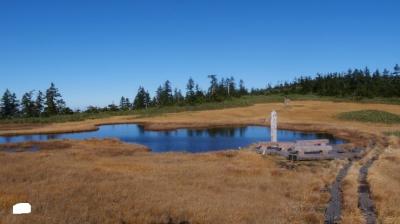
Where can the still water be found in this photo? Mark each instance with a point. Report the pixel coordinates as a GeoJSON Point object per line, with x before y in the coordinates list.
{"type": "Point", "coordinates": [190, 140]}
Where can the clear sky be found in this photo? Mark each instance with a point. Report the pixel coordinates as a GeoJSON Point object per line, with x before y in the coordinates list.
{"type": "Point", "coordinates": [96, 51]}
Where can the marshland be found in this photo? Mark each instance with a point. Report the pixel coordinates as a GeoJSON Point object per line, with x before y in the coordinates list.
{"type": "Point", "coordinates": [109, 181]}
{"type": "Point", "coordinates": [199, 112]}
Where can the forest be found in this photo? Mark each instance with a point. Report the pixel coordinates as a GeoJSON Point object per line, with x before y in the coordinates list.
{"type": "Point", "coordinates": [356, 84]}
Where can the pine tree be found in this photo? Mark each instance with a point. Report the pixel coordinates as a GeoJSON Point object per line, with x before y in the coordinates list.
{"type": "Point", "coordinates": [242, 88]}
{"type": "Point", "coordinates": [231, 86]}
{"type": "Point", "coordinates": [159, 96]}
{"type": "Point", "coordinates": [142, 99]}
{"type": "Point", "coordinates": [190, 94]}
{"type": "Point", "coordinates": [167, 97]}
{"type": "Point", "coordinates": [125, 103]}
{"type": "Point", "coordinates": [396, 70]}
{"type": "Point", "coordinates": [212, 90]}
{"type": "Point", "coordinates": [200, 98]}
{"type": "Point", "coordinates": [178, 97]}
{"type": "Point", "coordinates": [54, 103]}
{"type": "Point", "coordinates": [112, 107]}
{"type": "Point", "coordinates": [128, 104]}
{"type": "Point", "coordinates": [39, 104]}
{"type": "Point", "coordinates": [28, 105]}
{"type": "Point", "coordinates": [9, 105]}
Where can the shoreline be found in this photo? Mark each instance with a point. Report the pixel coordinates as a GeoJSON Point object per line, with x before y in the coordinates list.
{"type": "Point", "coordinates": [351, 136]}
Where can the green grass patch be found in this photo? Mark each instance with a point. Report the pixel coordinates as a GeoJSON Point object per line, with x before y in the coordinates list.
{"type": "Point", "coordinates": [374, 116]}
{"type": "Point", "coordinates": [393, 133]}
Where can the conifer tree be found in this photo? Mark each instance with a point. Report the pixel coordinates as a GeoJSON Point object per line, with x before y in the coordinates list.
{"type": "Point", "coordinates": [190, 92]}
{"type": "Point", "coordinates": [242, 88]}
{"type": "Point", "coordinates": [39, 104]}
{"type": "Point", "coordinates": [212, 90]}
{"type": "Point", "coordinates": [124, 103]}
{"type": "Point", "coordinates": [28, 105]}
{"type": "Point", "coordinates": [54, 103]}
{"type": "Point", "coordinates": [178, 97]}
{"type": "Point", "coordinates": [9, 105]}
{"type": "Point", "coordinates": [396, 70]}
{"type": "Point", "coordinates": [142, 99]}
{"type": "Point", "coordinates": [167, 97]}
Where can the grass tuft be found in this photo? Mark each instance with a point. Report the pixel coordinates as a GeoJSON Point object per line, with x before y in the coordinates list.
{"type": "Point", "coordinates": [374, 116]}
{"type": "Point", "coordinates": [393, 133]}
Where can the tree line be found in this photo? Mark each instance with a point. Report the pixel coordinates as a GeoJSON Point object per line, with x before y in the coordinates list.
{"type": "Point", "coordinates": [357, 83]}
{"type": "Point", "coordinates": [165, 95]}
{"type": "Point", "coordinates": [33, 104]}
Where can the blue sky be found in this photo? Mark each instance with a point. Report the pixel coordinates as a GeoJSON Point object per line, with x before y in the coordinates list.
{"type": "Point", "coordinates": [97, 51]}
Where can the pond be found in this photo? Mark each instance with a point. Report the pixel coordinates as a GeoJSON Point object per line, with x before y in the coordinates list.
{"type": "Point", "coordinates": [189, 140]}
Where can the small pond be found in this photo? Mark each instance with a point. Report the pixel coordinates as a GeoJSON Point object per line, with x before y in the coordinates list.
{"type": "Point", "coordinates": [190, 140]}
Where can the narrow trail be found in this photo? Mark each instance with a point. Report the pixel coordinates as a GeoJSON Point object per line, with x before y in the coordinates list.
{"type": "Point", "coordinates": [333, 211]}
{"type": "Point", "coordinates": [365, 202]}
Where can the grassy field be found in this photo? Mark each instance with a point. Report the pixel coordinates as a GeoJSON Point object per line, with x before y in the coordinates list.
{"type": "Point", "coordinates": [384, 179]}
{"type": "Point", "coordinates": [156, 111]}
{"type": "Point", "coordinates": [307, 115]}
{"type": "Point", "coordinates": [110, 182]}
{"type": "Point", "coordinates": [223, 187]}
{"type": "Point", "coordinates": [393, 133]}
{"type": "Point", "coordinates": [374, 116]}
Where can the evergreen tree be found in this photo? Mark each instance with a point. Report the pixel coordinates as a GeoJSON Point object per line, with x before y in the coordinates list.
{"type": "Point", "coordinates": [54, 103]}
{"type": "Point", "coordinates": [147, 100]}
{"type": "Point", "coordinates": [178, 97]}
{"type": "Point", "coordinates": [357, 83]}
{"type": "Point", "coordinates": [190, 92]}
{"type": "Point", "coordinates": [231, 86]}
{"type": "Point", "coordinates": [396, 70]}
{"type": "Point", "coordinates": [167, 97]}
{"type": "Point", "coordinates": [199, 94]}
{"type": "Point", "coordinates": [28, 105]}
{"type": "Point", "coordinates": [159, 95]}
{"type": "Point", "coordinates": [9, 105]}
{"type": "Point", "coordinates": [38, 110]}
{"type": "Point", "coordinates": [142, 99]}
{"type": "Point", "coordinates": [212, 90]}
{"type": "Point", "coordinates": [128, 104]}
{"type": "Point", "coordinates": [112, 107]}
{"type": "Point", "coordinates": [242, 88]}
{"type": "Point", "coordinates": [124, 103]}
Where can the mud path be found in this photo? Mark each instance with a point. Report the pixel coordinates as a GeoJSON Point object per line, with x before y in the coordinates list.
{"type": "Point", "coordinates": [333, 211]}
{"type": "Point", "coordinates": [365, 202]}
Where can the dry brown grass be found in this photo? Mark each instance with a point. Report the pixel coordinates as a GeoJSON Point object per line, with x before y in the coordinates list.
{"type": "Point", "coordinates": [99, 182]}
{"type": "Point", "coordinates": [384, 179]}
{"type": "Point", "coordinates": [224, 187]}
{"type": "Point", "coordinates": [320, 113]}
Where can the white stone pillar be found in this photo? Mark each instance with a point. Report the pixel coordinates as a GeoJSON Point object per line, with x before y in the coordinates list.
{"type": "Point", "coordinates": [274, 126]}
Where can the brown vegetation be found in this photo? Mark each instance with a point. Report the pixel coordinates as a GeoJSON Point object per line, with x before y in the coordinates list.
{"type": "Point", "coordinates": [384, 179]}
{"type": "Point", "coordinates": [107, 181]}
{"type": "Point", "coordinates": [305, 115]}
{"type": "Point", "coordinates": [351, 214]}
{"type": "Point", "coordinates": [111, 182]}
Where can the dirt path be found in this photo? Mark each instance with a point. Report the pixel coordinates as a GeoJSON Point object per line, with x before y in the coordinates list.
{"type": "Point", "coordinates": [333, 211]}
{"type": "Point", "coordinates": [365, 201]}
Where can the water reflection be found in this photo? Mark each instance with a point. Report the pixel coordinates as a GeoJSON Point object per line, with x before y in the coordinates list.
{"type": "Point", "coordinates": [192, 140]}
